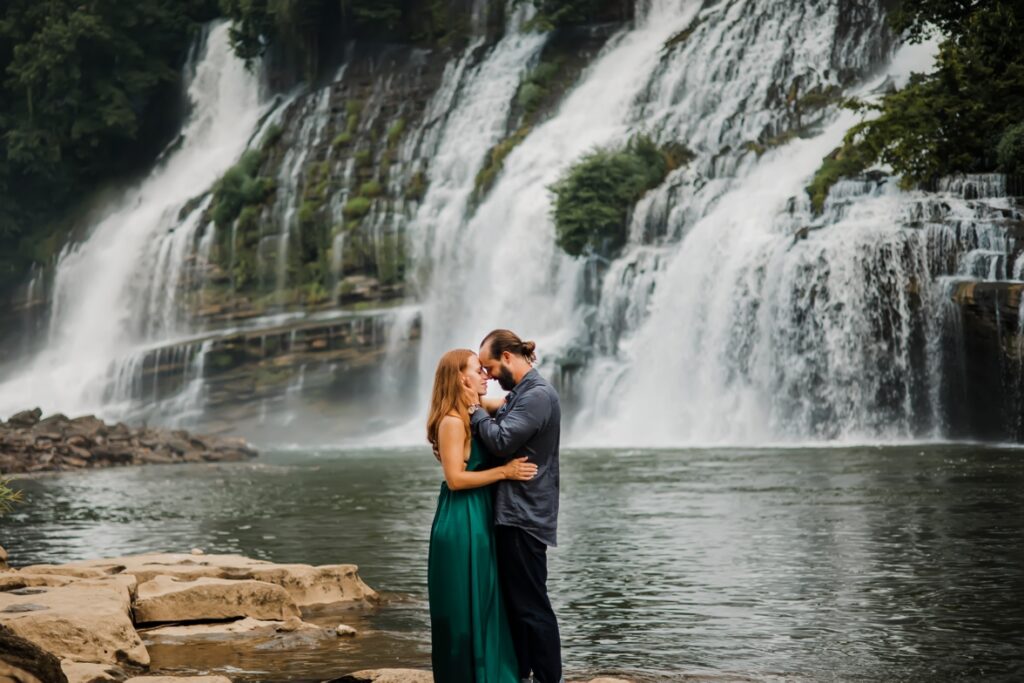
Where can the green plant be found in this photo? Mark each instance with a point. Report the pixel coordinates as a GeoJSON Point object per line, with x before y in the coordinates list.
{"type": "Point", "coordinates": [1010, 150]}
{"type": "Point", "coordinates": [8, 496]}
{"type": "Point", "coordinates": [343, 138]}
{"type": "Point", "coordinates": [593, 199]}
{"type": "Point", "coordinates": [363, 158]}
{"type": "Point", "coordinates": [371, 188]}
{"type": "Point", "coordinates": [239, 186]}
{"type": "Point", "coordinates": [395, 131]}
{"type": "Point", "coordinates": [356, 207]}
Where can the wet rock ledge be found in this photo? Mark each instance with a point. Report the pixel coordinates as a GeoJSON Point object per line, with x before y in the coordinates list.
{"type": "Point", "coordinates": [31, 444]}
{"type": "Point", "coordinates": [81, 622]}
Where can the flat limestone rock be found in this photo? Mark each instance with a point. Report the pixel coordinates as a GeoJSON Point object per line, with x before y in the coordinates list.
{"type": "Point", "coordinates": [387, 676]}
{"type": "Point", "coordinates": [308, 585]}
{"type": "Point", "coordinates": [321, 585]}
{"type": "Point", "coordinates": [72, 571]}
{"type": "Point", "coordinates": [247, 626]}
{"type": "Point", "coordinates": [179, 679]}
{"type": "Point", "coordinates": [85, 672]}
{"type": "Point", "coordinates": [165, 599]}
{"type": "Point", "coordinates": [15, 579]}
{"type": "Point", "coordinates": [85, 621]}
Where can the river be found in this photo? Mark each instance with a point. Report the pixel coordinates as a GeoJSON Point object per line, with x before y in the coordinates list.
{"type": "Point", "coordinates": [811, 564]}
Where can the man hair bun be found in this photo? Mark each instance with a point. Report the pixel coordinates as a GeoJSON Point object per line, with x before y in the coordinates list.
{"type": "Point", "coordinates": [530, 351]}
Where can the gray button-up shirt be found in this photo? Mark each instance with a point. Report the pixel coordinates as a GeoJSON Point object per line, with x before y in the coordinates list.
{"type": "Point", "coordinates": [529, 423]}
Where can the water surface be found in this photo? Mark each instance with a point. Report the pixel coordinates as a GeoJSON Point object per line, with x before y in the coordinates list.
{"type": "Point", "coordinates": [854, 564]}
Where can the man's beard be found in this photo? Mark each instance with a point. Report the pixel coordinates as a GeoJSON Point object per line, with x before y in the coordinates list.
{"type": "Point", "coordinates": [505, 379]}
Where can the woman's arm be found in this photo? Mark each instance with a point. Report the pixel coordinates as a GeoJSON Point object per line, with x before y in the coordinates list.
{"type": "Point", "coordinates": [492, 403]}
{"type": "Point", "coordinates": [451, 436]}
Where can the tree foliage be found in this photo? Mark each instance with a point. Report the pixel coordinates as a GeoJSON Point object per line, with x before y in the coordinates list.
{"type": "Point", "coordinates": [81, 84]}
{"type": "Point", "coordinates": [956, 118]}
{"type": "Point", "coordinates": [594, 198]}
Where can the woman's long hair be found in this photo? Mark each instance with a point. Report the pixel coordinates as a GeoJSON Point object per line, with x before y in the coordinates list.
{"type": "Point", "coordinates": [449, 394]}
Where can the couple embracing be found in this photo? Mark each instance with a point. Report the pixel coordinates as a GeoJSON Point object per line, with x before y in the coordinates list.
{"type": "Point", "coordinates": [491, 620]}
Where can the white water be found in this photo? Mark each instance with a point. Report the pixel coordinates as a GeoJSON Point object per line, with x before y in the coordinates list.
{"type": "Point", "coordinates": [101, 311]}
{"type": "Point", "coordinates": [714, 326]}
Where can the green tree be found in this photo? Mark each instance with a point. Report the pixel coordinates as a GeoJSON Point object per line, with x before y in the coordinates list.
{"type": "Point", "coordinates": [954, 119]}
{"type": "Point", "coordinates": [84, 93]}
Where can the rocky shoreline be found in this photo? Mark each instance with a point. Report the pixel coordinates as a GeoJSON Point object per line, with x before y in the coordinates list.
{"type": "Point", "coordinates": [91, 621]}
{"type": "Point", "coordinates": [29, 443]}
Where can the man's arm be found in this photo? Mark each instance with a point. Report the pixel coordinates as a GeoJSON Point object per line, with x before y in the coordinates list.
{"type": "Point", "coordinates": [524, 419]}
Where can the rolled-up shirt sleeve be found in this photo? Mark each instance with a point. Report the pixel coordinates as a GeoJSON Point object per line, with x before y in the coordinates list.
{"type": "Point", "coordinates": [520, 422]}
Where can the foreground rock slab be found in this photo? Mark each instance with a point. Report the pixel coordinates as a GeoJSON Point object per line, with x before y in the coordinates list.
{"type": "Point", "coordinates": [88, 620]}
{"type": "Point", "coordinates": [77, 622]}
{"type": "Point", "coordinates": [168, 599]}
{"type": "Point", "coordinates": [29, 443]}
{"type": "Point", "coordinates": [23, 661]}
{"type": "Point", "coordinates": [307, 585]}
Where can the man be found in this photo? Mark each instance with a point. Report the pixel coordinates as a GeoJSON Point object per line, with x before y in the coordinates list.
{"type": "Point", "coordinates": [525, 512]}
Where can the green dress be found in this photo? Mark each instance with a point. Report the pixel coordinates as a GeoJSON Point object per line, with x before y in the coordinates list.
{"type": "Point", "coordinates": [469, 630]}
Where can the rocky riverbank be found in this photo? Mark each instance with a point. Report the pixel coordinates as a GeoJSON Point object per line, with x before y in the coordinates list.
{"type": "Point", "coordinates": [29, 443]}
{"type": "Point", "coordinates": [96, 621]}
{"type": "Point", "coordinates": [87, 621]}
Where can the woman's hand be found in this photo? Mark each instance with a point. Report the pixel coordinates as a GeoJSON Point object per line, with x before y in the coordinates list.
{"type": "Point", "coordinates": [519, 470]}
{"type": "Point", "coordinates": [471, 396]}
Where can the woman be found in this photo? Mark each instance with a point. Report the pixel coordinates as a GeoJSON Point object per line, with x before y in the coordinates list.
{"type": "Point", "coordinates": [469, 631]}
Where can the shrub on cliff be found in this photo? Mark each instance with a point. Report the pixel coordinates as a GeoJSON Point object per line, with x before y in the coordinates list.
{"type": "Point", "coordinates": [239, 187]}
{"type": "Point", "coordinates": [594, 198]}
{"type": "Point", "coordinates": [960, 117]}
{"type": "Point", "coordinates": [1010, 151]}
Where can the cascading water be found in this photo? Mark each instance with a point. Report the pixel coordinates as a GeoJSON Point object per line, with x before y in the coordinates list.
{"type": "Point", "coordinates": [734, 314]}
{"type": "Point", "coordinates": [98, 318]}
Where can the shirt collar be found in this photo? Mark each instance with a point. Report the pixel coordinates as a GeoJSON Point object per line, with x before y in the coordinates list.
{"type": "Point", "coordinates": [528, 380]}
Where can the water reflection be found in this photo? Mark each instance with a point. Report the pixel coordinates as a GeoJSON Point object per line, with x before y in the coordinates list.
{"type": "Point", "coordinates": [845, 564]}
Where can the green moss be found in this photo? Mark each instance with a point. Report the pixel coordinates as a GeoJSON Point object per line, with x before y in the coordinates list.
{"type": "Point", "coordinates": [238, 187]}
{"type": "Point", "coordinates": [681, 37]}
{"type": "Point", "coordinates": [395, 131]}
{"type": "Point", "coordinates": [371, 188]}
{"type": "Point", "coordinates": [356, 207]}
{"type": "Point", "coordinates": [271, 136]}
{"type": "Point", "coordinates": [842, 162]}
{"type": "Point", "coordinates": [496, 161]}
{"type": "Point", "coordinates": [363, 158]}
{"type": "Point", "coordinates": [343, 138]}
{"type": "Point", "coordinates": [594, 198]}
{"type": "Point", "coordinates": [417, 186]}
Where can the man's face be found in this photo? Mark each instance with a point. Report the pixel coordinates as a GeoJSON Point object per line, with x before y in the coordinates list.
{"type": "Point", "coordinates": [498, 369]}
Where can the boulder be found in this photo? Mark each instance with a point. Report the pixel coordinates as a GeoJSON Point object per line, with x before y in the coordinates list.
{"type": "Point", "coordinates": [23, 661]}
{"type": "Point", "coordinates": [86, 672]}
{"type": "Point", "coordinates": [165, 599]}
{"type": "Point", "coordinates": [179, 679]}
{"type": "Point", "coordinates": [88, 620]}
{"type": "Point", "coordinates": [345, 631]}
{"type": "Point", "coordinates": [387, 676]}
{"type": "Point", "coordinates": [316, 585]}
{"type": "Point", "coordinates": [25, 418]}
{"type": "Point", "coordinates": [3, 558]}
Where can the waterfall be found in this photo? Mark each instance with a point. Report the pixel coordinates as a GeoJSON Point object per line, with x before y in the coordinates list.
{"type": "Point", "coordinates": [99, 314]}
{"type": "Point", "coordinates": [734, 314]}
